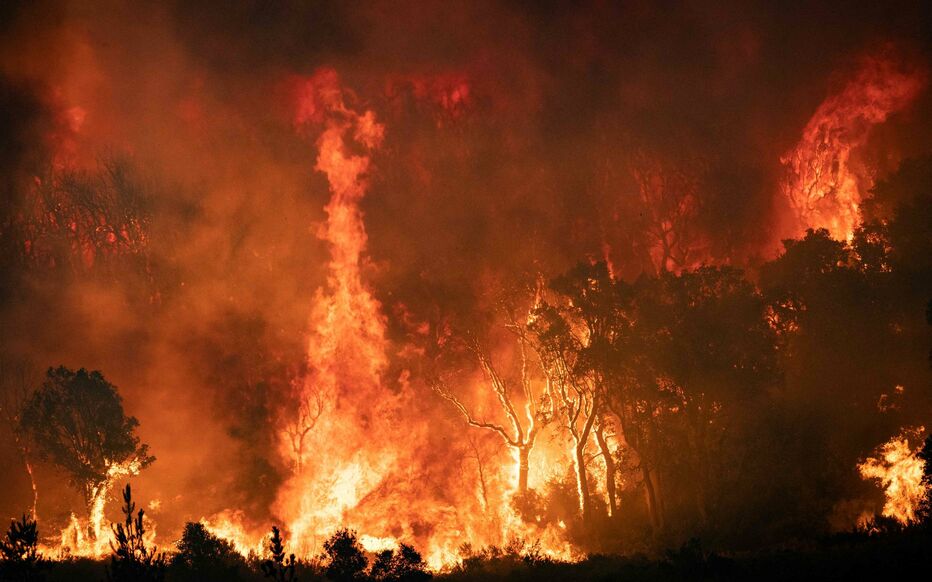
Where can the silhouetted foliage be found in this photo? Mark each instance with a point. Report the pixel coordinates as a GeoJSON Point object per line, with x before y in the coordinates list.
{"type": "Point", "coordinates": [402, 565]}
{"type": "Point", "coordinates": [278, 567]}
{"type": "Point", "coordinates": [131, 559]}
{"type": "Point", "coordinates": [691, 561]}
{"type": "Point", "coordinates": [19, 556]}
{"type": "Point", "coordinates": [346, 561]}
{"type": "Point", "coordinates": [78, 423]}
{"type": "Point", "coordinates": [517, 554]}
{"type": "Point", "coordinates": [204, 556]}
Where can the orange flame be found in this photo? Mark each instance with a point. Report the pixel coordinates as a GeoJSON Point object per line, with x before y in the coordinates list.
{"type": "Point", "coordinates": [346, 345]}
{"type": "Point", "coordinates": [229, 526]}
{"type": "Point", "coordinates": [899, 470]}
{"type": "Point", "coordinates": [822, 185]}
{"type": "Point", "coordinates": [90, 538]}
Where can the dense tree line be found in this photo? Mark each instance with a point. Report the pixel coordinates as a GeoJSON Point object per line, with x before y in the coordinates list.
{"type": "Point", "coordinates": [713, 394]}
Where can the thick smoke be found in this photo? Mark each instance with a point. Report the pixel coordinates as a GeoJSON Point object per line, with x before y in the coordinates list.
{"type": "Point", "coordinates": [514, 137]}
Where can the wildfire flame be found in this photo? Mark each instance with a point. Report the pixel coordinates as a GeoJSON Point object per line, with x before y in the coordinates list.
{"type": "Point", "coordinates": [90, 538]}
{"type": "Point", "coordinates": [228, 525]}
{"type": "Point", "coordinates": [346, 352]}
{"type": "Point", "coordinates": [351, 456]}
{"type": "Point", "coordinates": [822, 184]}
{"type": "Point", "coordinates": [899, 470]}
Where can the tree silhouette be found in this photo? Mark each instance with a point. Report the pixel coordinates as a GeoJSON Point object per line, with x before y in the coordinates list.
{"type": "Point", "coordinates": [712, 350]}
{"type": "Point", "coordinates": [131, 559]}
{"type": "Point", "coordinates": [278, 567]}
{"type": "Point", "coordinates": [19, 556]}
{"type": "Point", "coordinates": [77, 220]}
{"type": "Point", "coordinates": [204, 556]}
{"type": "Point", "coordinates": [346, 561]}
{"type": "Point", "coordinates": [304, 417]}
{"type": "Point", "coordinates": [78, 423]}
{"type": "Point", "coordinates": [670, 207]}
{"type": "Point", "coordinates": [573, 335]}
{"type": "Point", "coordinates": [589, 317]}
{"type": "Point", "coordinates": [403, 565]}
{"type": "Point", "coordinates": [18, 380]}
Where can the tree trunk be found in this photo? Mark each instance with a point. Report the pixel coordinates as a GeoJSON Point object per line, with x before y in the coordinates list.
{"type": "Point", "coordinates": [651, 497]}
{"type": "Point", "coordinates": [609, 471]}
{"type": "Point", "coordinates": [582, 482]}
{"type": "Point", "coordinates": [24, 453]}
{"type": "Point", "coordinates": [523, 454]}
{"type": "Point", "coordinates": [35, 490]}
{"type": "Point", "coordinates": [700, 463]}
{"type": "Point", "coordinates": [482, 486]}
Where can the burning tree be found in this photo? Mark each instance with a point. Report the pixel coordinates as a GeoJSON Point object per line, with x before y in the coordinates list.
{"type": "Point", "coordinates": [575, 337]}
{"type": "Point", "coordinates": [901, 469]}
{"type": "Point", "coordinates": [566, 335]}
{"type": "Point", "coordinates": [78, 423]}
{"type": "Point", "coordinates": [535, 403]}
{"type": "Point", "coordinates": [599, 354]}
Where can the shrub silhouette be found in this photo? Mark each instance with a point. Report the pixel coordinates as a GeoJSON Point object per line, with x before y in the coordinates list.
{"type": "Point", "coordinates": [346, 560]}
{"type": "Point", "coordinates": [19, 557]}
{"type": "Point", "coordinates": [204, 556]}
{"type": "Point", "coordinates": [515, 555]}
{"type": "Point", "coordinates": [692, 561]}
{"type": "Point", "coordinates": [278, 567]}
{"type": "Point", "coordinates": [403, 565]}
{"type": "Point", "coordinates": [131, 559]}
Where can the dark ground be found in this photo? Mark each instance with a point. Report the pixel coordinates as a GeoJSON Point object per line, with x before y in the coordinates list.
{"type": "Point", "coordinates": [886, 556]}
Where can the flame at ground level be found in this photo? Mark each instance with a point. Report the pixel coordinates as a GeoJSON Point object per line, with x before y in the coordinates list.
{"type": "Point", "coordinates": [90, 538]}
{"type": "Point", "coordinates": [900, 471]}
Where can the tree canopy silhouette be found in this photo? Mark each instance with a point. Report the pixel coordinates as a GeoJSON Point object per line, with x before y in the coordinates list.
{"type": "Point", "coordinates": [346, 560]}
{"type": "Point", "coordinates": [77, 421]}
